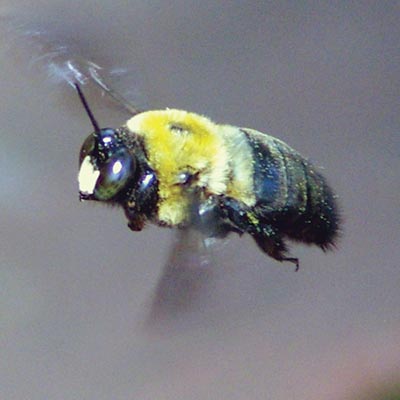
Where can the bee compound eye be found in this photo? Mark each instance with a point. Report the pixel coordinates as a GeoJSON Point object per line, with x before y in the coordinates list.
{"type": "Point", "coordinates": [115, 174]}
{"type": "Point", "coordinates": [87, 147]}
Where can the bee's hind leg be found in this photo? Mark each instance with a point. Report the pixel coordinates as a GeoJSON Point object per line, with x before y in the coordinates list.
{"type": "Point", "coordinates": [272, 243]}
{"type": "Point", "coordinates": [241, 219]}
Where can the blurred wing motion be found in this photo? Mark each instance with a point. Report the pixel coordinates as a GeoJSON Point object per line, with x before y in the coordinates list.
{"type": "Point", "coordinates": [185, 277]}
{"type": "Point", "coordinates": [65, 61]}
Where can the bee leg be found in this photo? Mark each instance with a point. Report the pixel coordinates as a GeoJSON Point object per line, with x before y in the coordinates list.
{"type": "Point", "coordinates": [136, 224]}
{"type": "Point", "coordinates": [141, 201]}
{"type": "Point", "coordinates": [271, 243]}
{"type": "Point", "coordinates": [267, 238]}
{"type": "Point", "coordinates": [208, 217]}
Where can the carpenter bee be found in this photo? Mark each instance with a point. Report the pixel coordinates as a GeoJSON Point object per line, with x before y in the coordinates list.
{"type": "Point", "coordinates": [179, 169]}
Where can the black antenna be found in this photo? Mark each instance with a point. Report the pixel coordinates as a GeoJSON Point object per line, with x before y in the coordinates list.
{"type": "Point", "coordinates": [87, 108]}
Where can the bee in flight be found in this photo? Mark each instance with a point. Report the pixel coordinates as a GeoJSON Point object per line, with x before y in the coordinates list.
{"type": "Point", "coordinates": [179, 169]}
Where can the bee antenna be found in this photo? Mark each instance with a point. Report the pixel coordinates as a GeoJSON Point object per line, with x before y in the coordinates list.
{"type": "Point", "coordinates": [87, 108]}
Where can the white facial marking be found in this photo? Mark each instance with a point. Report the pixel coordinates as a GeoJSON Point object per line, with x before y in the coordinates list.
{"type": "Point", "coordinates": [117, 167]}
{"type": "Point", "coordinates": [87, 176]}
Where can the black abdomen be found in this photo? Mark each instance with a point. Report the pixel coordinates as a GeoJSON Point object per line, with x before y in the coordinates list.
{"type": "Point", "coordinates": [292, 196]}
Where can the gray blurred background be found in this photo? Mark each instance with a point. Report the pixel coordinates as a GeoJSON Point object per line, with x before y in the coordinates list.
{"type": "Point", "coordinates": [76, 285]}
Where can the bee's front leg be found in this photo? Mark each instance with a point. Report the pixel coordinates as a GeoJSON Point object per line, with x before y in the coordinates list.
{"type": "Point", "coordinates": [141, 200]}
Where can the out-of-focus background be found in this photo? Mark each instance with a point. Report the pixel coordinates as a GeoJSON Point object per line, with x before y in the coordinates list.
{"type": "Point", "coordinates": [76, 285]}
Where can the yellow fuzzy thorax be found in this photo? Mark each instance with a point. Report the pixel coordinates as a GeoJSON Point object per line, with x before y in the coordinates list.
{"type": "Point", "coordinates": [176, 142]}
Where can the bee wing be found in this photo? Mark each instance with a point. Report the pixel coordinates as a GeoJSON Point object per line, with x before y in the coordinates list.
{"type": "Point", "coordinates": [68, 62]}
{"type": "Point", "coordinates": [185, 276]}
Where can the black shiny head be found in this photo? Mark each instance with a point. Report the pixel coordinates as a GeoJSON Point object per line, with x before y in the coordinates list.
{"type": "Point", "coordinates": [106, 164]}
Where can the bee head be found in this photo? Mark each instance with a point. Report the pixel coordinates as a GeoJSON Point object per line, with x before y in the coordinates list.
{"type": "Point", "coordinates": [106, 164]}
